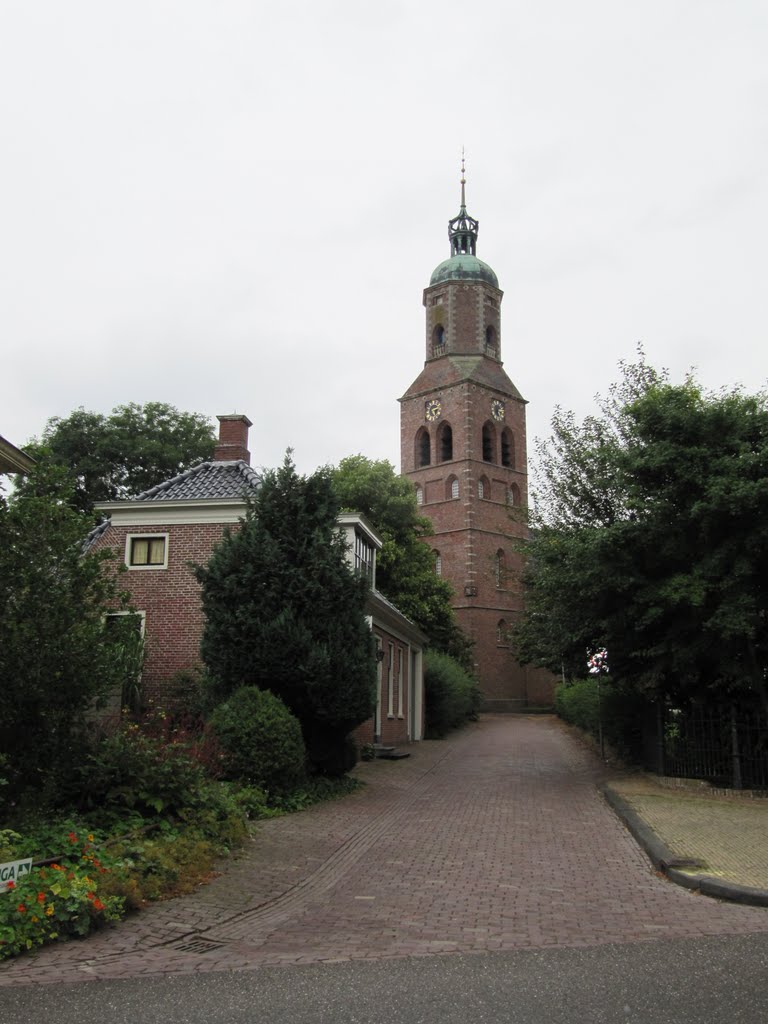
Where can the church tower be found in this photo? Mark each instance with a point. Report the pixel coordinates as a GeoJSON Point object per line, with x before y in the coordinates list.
{"type": "Point", "coordinates": [463, 445]}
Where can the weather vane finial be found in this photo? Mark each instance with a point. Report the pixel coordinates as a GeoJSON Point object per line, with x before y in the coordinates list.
{"type": "Point", "coordinates": [463, 180]}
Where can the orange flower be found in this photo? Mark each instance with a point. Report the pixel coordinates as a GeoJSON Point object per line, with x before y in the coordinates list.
{"type": "Point", "coordinates": [57, 867]}
{"type": "Point", "coordinates": [21, 908]}
{"type": "Point", "coordinates": [10, 885]}
{"type": "Point", "coordinates": [90, 837]}
{"type": "Point", "coordinates": [98, 905]}
{"type": "Point", "coordinates": [49, 910]}
{"type": "Point", "coordinates": [41, 897]}
{"type": "Point", "coordinates": [72, 837]}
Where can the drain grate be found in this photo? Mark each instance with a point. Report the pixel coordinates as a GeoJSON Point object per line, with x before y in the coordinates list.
{"type": "Point", "coordinates": [197, 945]}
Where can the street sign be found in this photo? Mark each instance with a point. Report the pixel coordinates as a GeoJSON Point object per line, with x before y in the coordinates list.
{"type": "Point", "coordinates": [12, 870]}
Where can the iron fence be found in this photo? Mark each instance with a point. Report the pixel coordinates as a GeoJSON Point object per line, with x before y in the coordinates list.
{"type": "Point", "coordinates": [725, 745]}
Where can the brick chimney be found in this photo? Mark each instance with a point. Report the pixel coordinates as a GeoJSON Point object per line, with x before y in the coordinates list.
{"type": "Point", "coordinates": [233, 439]}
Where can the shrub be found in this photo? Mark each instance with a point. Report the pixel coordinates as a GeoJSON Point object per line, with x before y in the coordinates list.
{"type": "Point", "coordinates": [61, 899]}
{"type": "Point", "coordinates": [622, 712]}
{"type": "Point", "coordinates": [133, 771]}
{"type": "Point", "coordinates": [260, 739]}
{"type": "Point", "coordinates": [452, 695]}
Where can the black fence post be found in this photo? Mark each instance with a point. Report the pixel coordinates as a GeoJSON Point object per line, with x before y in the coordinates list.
{"type": "Point", "coordinates": [661, 759]}
{"type": "Point", "coordinates": [735, 751]}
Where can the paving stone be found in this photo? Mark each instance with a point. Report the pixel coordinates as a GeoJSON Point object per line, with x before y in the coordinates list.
{"type": "Point", "coordinates": [494, 839]}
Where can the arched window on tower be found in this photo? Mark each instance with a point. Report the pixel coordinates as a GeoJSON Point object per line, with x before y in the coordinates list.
{"type": "Point", "coordinates": [513, 495]}
{"type": "Point", "coordinates": [445, 442]}
{"type": "Point", "coordinates": [491, 344]}
{"type": "Point", "coordinates": [502, 633]}
{"type": "Point", "coordinates": [438, 340]}
{"type": "Point", "coordinates": [423, 453]}
{"type": "Point", "coordinates": [507, 448]}
{"type": "Point", "coordinates": [489, 442]}
{"type": "Point", "coordinates": [452, 487]}
{"type": "Point", "coordinates": [438, 563]}
{"type": "Point", "coordinates": [484, 488]}
{"type": "Point", "coordinates": [419, 495]}
{"type": "Point", "coordinates": [499, 569]}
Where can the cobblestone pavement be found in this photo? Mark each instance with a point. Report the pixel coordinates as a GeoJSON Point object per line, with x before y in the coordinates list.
{"type": "Point", "coordinates": [494, 839]}
{"type": "Point", "coordinates": [727, 835]}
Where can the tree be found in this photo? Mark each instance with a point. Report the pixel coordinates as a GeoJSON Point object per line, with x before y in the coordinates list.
{"type": "Point", "coordinates": [405, 568]}
{"type": "Point", "coordinates": [124, 453]}
{"type": "Point", "coordinates": [652, 539]}
{"type": "Point", "coordinates": [58, 656]}
{"type": "Point", "coordinates": [285, 612]}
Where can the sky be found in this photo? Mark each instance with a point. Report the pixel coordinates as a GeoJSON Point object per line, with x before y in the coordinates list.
{"type": "Point", "coordinates": [235, 205]}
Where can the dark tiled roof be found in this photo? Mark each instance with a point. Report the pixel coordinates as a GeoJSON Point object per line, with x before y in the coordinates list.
{"type": "Point", "coordinates": [208, 480]}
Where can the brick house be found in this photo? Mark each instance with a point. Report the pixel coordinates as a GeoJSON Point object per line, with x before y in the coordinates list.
{"type": "Point", "coordinates": [159, 533]}
{"type": "Point", "coordinates": [463, 445]}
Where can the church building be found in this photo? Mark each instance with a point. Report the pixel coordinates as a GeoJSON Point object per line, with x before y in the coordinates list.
{"type": "Point", "coordinates": [463, 444]}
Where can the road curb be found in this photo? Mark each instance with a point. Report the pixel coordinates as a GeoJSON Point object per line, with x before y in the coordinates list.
{"type": "Point", "coordinates": [663, 859]}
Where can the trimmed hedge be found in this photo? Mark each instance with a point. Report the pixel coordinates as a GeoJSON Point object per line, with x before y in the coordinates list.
{"type": "Point", "coordinates": [452, 696]}
{"type": "Point", "coordinates": [622, 712]}
{"type": "Point", "coordinates": [261, 740]}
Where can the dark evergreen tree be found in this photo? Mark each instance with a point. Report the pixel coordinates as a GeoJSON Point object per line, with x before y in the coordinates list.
{"type": "Point", "coordinates": [285, 612]}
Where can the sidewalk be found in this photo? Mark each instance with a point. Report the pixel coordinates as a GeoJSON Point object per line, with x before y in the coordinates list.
{"type": "Point", "coordinates": [716, 844]}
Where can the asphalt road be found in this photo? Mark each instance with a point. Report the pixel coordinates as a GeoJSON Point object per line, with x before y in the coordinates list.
{"type": "Point", "coordinates": [682, 981]}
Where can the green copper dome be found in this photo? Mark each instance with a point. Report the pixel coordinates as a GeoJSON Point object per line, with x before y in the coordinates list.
{"type": "Point", "coordinates": [463, 267]}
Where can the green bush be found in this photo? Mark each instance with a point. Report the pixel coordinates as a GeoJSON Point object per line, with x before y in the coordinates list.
{"type": "Point", "coordinates": [622, 712]}
{"type": "Point", "coordinates": [260, 739]}
{"type": "Point", "coordinates": [133, 771]}
{"type": "Point", "coordinates": [452, 696]}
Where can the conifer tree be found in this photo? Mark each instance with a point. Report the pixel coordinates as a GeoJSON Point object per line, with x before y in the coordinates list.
{"type": "Point", "coordinates": [285, 612]}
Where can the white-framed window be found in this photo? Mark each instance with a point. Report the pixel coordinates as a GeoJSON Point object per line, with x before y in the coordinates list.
{"type": "Point", "coordinates": [438, 563]}
{"type": "Point", "coordinates": [364, 556]}
{"type": "Point", "coordinates": [400, 682]}
{"type": "Point", "coordinates": [391, 682]}
{"type": "Point", "coordinates": [146, 550]}
{"type": "Point", "coordinates": [419, 496]}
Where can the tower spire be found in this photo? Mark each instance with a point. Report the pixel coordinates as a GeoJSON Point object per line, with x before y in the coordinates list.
{"type": "Point", "coordinates": [463, 229]}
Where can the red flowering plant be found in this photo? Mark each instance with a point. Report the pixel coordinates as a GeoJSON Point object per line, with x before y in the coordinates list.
{"type": "Point", "coordinates": [57, 899]}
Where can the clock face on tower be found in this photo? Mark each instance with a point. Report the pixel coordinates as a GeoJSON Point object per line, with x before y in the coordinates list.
{"type": "Point", "coordinates": [433, 410]}
{"type": "Point", "coordinates": [497, 409]}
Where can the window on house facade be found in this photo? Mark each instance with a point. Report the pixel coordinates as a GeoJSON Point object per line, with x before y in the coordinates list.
{"type": "Point", "coordinates": [445, 442]}
{"type": "Point", "coordinates": [143, 551]}
{"type": "Point", "coordinates": [419, 495]}
{"type": "Point", "coordinates": [507, 448]}
{"type": "Point", "coordinates": [127, 629]}
{"type": "Point", "coordinates": [390, 682]}
{"type": "Point", "coordinates": [400, 712]}
{"type": "Point", "coordinates": [423, 448]}
{"type": "Point", "coordinates": [489, 442]}
{"type": "Point", "coordinates": [364, 557]}
{"type": "Point", "coordinates": [438, 563]}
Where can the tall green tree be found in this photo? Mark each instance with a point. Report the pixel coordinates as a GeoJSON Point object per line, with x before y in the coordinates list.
{"type": "Point", "coordinates": [124, 453]}
{"type": "Point", "coordinates": [405, 568]}
{"type": "Point", "coordinates": [58, 657]}
{"type": "Point", "coordinates": [285, 612]}
{"type": "Point", "coordinates": [651, 539]}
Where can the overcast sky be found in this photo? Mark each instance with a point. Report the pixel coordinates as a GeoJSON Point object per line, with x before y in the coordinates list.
{"type": "Point", "coordinates": [234, 205]}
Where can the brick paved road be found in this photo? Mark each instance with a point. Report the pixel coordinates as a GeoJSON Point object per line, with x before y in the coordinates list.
{"type": "Point", "coordinates": [495, 839]}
